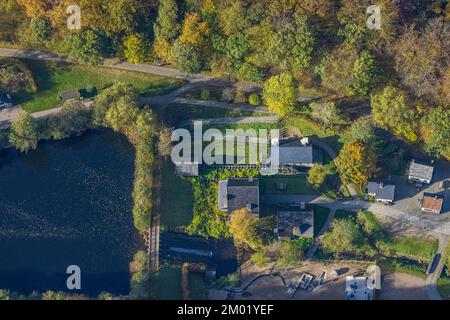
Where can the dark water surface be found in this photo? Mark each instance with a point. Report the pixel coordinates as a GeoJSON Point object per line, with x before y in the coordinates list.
{"type": "Point", "coordinates": [68, 202]}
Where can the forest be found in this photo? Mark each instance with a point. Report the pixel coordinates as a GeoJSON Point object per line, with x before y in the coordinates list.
{"type": "Point", "coordinates": [291, 48]}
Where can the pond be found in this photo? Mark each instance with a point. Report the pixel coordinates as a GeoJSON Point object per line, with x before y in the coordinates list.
{"type": "Point", "coordinates": [68, 203]}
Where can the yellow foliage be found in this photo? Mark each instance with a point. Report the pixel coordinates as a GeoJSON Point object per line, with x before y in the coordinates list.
{"type": "Point", "coordinates": [194, 30]}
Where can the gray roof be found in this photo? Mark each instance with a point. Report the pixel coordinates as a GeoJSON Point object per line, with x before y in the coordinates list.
{"type": "Point", "coordinates": [222, 195]}
{"type": "Point", "coordinates": [296, 153]}
{"type": "Point", "coordinates": [243, 193]}
{"type": "Point", "coordinates": [381, 191]}
{"type": "Point", "coordinates": [420, 171]}
{"type": "Point", "coordinates": [70, 94]}
{"type": "Point", "coordinates": [295, 222]}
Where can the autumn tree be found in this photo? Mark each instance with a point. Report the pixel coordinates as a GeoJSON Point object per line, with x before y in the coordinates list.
{"type": "Point", "coordinates": [437, 141]}
{"type": "Point", "coordinates": [280, 94]}
{"type": "Point", "coordinates": [23, 133]}
{"type": "Point", "coordinates": [318, 174]}
{"type": "Point", "coordinates": [325, 112]}
{"type": "Point", "coordinates": [243, 227]}
{"type": "Point", "coordinates": [356, 164]}
{"type": "Point", "coordinates": [165, 142]}
{"type": "Point", "coordinates": [422, 57]}
{"type": "Point", "coordinates": [135, 50]}
{"type": "Point", "coordinates": [187, 57]}
{"type": "Point", "coordinates": [391, 111]}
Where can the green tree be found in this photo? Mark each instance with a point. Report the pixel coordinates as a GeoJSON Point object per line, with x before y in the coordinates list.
{"type": "Point", "coordinates": [166, 25]}
{"type": "Point", "coordinates": [280, 94]}
{"type": "Point", "coordinates": [23, 133]}
{"type": "Point", "coordinates": [355, 164]}
{"type": "Point", "coordinates": [391, 112]}
{"type": "Point", "coordinates": [362, 130]}
{"type": "Point", "coordinates": [345, 237]}
{"type": "Point", "coordinates": [237, 46]}
{"type": "Point", "coordinates": [437, 142]}
{"type": "Point", "coordinates": [139, 268]}
{"type": "Point", "coordinates": [135, 48]}
{"type": "Point", "coordinates": [108, 98]}
{"type": "Point", "coordinates": [249, 72]}
{"type": "Point", "coordinates": [187, 57]}
{"type": "Point", "coordinates": [254, 99]}
{"type": "Point", "coordinates": [39, 31]}
{"type": "Point", "coordinates": [291, 252]}
{"type": "Point", "coordinates": [292, 44]}
{"type": "Point", "coordinates": [86, 46]}
{"type": "Point", "coordinates": [122, 114]}
{"type": "Point", "coordinates": [72, 119]}
{"type": "Point", "coordinates": [365, 74]}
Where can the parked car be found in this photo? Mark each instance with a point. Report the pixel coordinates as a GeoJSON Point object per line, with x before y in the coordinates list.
{"type": "Point", "coordinates": [433, 264]}
{"type": "Point", "coordinates": [5, 101]}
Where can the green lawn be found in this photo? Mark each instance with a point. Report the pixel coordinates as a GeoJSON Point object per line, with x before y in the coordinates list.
{"type": "Point", "coordinates": [443, 285]}
{"type": "Point", "coordinates": [413, 247]}
{"type": "Point", "coordinates": [320, 216]}
{"type": "Point", "coordinates": [296, 184]}
{"type": "Point", "coordinates": [178, 112]}
{"type": "Point", "coordinates": [176, 199]}
{"type": "Point", "coordinates": [52, 78]}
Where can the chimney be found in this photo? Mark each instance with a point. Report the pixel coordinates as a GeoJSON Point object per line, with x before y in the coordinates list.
{"type": "Point", "coordinates": [250, 179]}
{"type": "Point", "coordinates": [249, 207]}
{"type": "Point", "coordinates": [302, 205]}
{"type": "Point", "coordinates": [381, 184]}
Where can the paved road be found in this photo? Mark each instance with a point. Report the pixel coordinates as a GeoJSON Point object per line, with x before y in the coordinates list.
{"type": "Point", "coordinates": [432, 291]}
{"type": "Point", "coordinates": [108, 63]}
{"type": "Point", "coordinates": [238, 120]}
{"type": "Point", "coordinates": [221, 105]}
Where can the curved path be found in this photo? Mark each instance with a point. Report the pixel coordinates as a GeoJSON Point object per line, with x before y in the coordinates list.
{"type": "Point", "coordinates": [432, 290]}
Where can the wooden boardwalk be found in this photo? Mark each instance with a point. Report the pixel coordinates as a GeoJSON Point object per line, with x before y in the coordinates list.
{"type": "Point", "coordinates": [153, 246]}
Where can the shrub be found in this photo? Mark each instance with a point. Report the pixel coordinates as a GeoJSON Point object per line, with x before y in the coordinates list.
{"type": "Point", "coordinates": [254, 99]}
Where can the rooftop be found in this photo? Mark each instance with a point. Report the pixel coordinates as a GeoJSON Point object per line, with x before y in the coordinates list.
{"type": "Point", "coordinates": [296, 153]}
{"type": "Point", "coordinates": [420, 171]}
{"type": "Point", "coordinates": [432, 202]}
{"type": "Point", "coordinates": [295, 221]}
{"type": "Point", "coordinates": [356, 288]}
{"type": "Point", "coordinates": [243, 193]}
{"type": "Point", "coordinates": [71, 94]}
{"type": "Point", "coordinates": [381, 191]}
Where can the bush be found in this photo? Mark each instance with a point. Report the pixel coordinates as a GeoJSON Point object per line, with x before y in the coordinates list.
{"type": "Point", "coordinates": [292, 252]}
{"type": "Point", "coordinates": [254, 99]}
{"type": "Point", "coordinates": [205, 94]}
{"type": "Point", "coordinates": [240, 97]}
{"type": "Point", "coordinates": [228, 94]}
{"type": "Point", "coordinates": [260, 258]}
{"type": "Point", "coordinates": [231, 280]}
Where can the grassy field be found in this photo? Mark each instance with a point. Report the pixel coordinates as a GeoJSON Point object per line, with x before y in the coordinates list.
{"type": "Point", "coordinates": [320, 216]}
{"type": "Point", "coordinates": [413, 247]}
{"type": "Point", "coordinates": [52, 78]}
{"type": "Point", "coordinates": [296, 184]}
{"type": "Point", "coordinates": [310, 128]}
{"type": "Point", "coordinates": [178, 112]}
{"type": "Point", "coordinates": [443, 285]}
{"type": "Point", "coordinates": [176, 199]}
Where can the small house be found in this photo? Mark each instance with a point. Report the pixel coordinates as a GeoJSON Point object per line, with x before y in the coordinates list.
{"type": "Point", "coordinates": [382, 192]}
{"type": "Point", "coordinates": [432, 202]}
{"type": "Point", "coordinates": [420, 172]}
{"type": "Point", "coordinates": [295, 222]}
{"type": "Point", "coordinates": [299, 153]}
{"type": "Point", "coordinates": [235, 194]}
{"type": "Point", "coordinates": [72, 94]}
{"type": "Point", "coordinates": [5, 100]}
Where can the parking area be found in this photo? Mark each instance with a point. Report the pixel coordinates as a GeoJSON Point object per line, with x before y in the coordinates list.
{"type": "Point", "coordinates": [407, 196]}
